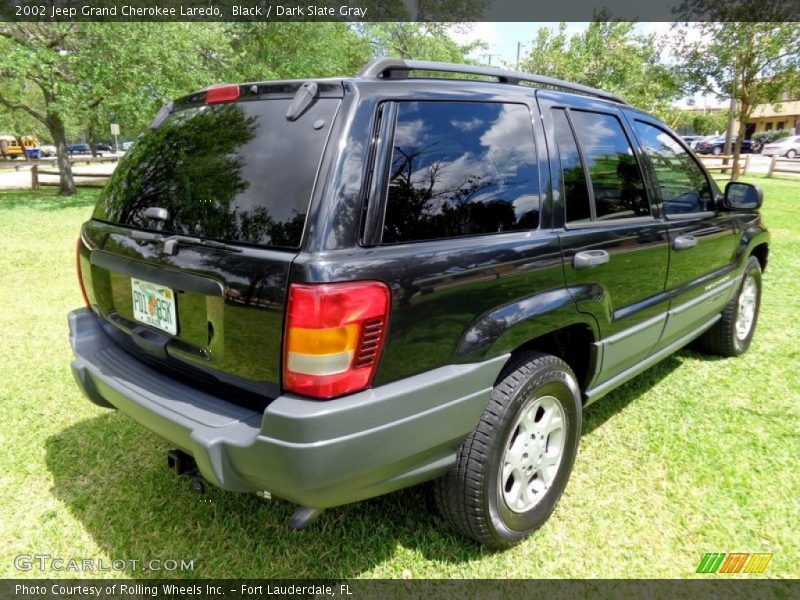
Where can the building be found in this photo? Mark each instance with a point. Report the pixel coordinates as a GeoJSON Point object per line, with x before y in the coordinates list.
{"type": "Point", "coordinates": [784, 115]}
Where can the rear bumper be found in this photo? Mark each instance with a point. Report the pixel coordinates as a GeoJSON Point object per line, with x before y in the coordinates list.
{"type": "Point", "coordinates": [315, 453]}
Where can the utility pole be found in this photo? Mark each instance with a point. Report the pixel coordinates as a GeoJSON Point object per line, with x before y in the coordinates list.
{"type": "Point", "coordinates": [519, 52]}
{"type": "Point", "coordinates": [489, 58]}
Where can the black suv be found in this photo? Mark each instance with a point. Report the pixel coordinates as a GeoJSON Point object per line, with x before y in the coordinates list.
{"type": "Point", "coordinates": [329, 290]}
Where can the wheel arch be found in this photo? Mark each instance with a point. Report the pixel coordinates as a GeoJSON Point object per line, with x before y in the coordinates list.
{"type": "Point", "coordinates": [574, 344]}
{"type": "Point", "coordinates": [761, 252]}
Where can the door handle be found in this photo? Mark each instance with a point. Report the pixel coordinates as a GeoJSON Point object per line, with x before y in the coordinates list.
{"type": "Point", "coordinates": [684, 241]}
{"type": "Point", "coordinates": [590, 258]}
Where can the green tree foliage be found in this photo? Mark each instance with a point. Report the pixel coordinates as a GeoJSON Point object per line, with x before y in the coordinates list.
{"type": "Point", "coordinates": [709, 123]}
{"type": "Point", "coordinates": [64, 71]}
{"type": "Point", "coordinates": [607, 55]}
{"type": "Point", "coordinates": [262, 51]}
{"type": "Point", "coordinates": [750, 54]}
{"type": "Point", "coordinates": [69, 77]}
{"type": "Point", "coordinates": [419, 41]}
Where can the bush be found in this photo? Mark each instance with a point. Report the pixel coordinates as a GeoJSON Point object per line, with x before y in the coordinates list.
{"type": "Point", "coordinates": [765, 137]}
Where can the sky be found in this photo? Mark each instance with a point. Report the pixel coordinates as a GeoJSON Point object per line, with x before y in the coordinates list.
{"type": "Point", "coordinates": [502, 40]}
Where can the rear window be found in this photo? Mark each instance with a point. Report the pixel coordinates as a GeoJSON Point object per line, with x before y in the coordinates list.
{"type": "Point", "coordinates": [236, 172]}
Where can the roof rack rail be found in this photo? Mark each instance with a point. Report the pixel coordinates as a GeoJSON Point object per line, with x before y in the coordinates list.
{"type": "Point", "coordinates": [395, 68]}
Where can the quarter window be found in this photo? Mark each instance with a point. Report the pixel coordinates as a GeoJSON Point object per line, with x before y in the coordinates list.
{"type": "Point", "coordinates": [459, 169]}
{"type": "Point", "coordinates": [576, 194]}
{"type": "Point", "coordinates": [682, 185]}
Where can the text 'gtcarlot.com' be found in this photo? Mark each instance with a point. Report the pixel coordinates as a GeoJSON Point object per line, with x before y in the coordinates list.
{"type": "Point", "coordinates": [47, 562]}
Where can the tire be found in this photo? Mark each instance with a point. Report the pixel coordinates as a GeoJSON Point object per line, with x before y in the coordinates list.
{"type": "Point", "coordinates": [791, 153]}
{"type": "Point", "coordinates": [732, 335]}
{"type": "Point", "coordinates": [477, 495]}
{"type": "Point", "coordinates": [716, 151]}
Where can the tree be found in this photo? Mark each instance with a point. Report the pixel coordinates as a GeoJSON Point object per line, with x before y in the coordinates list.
{"type": "Point", "coordinates": [65, 71]}
{"type": "Point", "coordinates": [419, 41]}
{"type": "Point", "coordinates": [268, 50]}
{"type": "Point", "coordinates": [610, 56]}
{"type": "Point", "coordinates": [748, 54]}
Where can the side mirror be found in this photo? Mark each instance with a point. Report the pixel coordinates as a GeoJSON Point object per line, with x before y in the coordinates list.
{"type": "Point", "coordinates": [743, 196]}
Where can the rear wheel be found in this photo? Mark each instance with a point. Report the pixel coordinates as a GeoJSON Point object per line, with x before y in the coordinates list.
{"type": "Point", "coordinates": [733, 333]}
{"type": "Point", "coordinates": [513, 468]}
{"type": "Point", "coordinates": [716, 151]}
{"type": "Point", "coordinates": [791, 154]}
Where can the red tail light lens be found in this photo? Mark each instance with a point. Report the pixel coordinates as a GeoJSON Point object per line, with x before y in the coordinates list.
{"type": "Point", "coordinates": [334, 337]}
{"type": "Point", "coordinates": [222, 93]}
{"type": "Point", "coordinates": [78, 247]}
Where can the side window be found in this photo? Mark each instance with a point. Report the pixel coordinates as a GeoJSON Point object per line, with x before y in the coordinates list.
{"type": "Point", "coordinates": [682, 184]}
{"type": "Point", "coordinates": [617, 184]}
{"type": "Point", "coordinates": [576, 194]}
{"type": "Point", "coordinates": [459, 169]}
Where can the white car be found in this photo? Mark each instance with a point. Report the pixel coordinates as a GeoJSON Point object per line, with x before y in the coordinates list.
{"type": "Point", "coordinates": [788, 147]}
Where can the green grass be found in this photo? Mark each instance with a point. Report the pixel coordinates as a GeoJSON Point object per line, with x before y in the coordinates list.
{"type": "Point", "coordinates": [696, 455]}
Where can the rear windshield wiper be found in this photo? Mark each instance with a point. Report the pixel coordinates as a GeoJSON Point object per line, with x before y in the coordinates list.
{"type": "Point", "coordinates": [171, 242]}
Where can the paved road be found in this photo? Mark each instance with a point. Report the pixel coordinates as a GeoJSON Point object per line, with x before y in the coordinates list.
{"type": "Point", "coordinates": [18, 176]}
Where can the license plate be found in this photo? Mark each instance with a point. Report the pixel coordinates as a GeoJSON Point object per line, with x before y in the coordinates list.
{"type": "Point", "coordinates": [154, 304]}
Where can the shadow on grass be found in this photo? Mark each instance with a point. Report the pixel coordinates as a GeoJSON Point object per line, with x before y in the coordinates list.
{"type": "Point", "coordinates": [606, 407]}
{"type": "Point", "coordinates": [112, 476]}
{"type": "Point", "coordinates": [46, 200]}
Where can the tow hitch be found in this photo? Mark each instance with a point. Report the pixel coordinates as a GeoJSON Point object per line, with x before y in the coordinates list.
{"type": "Point", "coordinates": [181, 463]}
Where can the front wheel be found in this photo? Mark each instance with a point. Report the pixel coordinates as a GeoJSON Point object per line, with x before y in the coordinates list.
{"type": "Point", "coordinates": [791, 154]}
{"type": "Point", "coordinates": [716, 151]}
{"type": "Point", "coordinates": [733, 333]}
{"type": "Point", "coordinates": [512, 469]}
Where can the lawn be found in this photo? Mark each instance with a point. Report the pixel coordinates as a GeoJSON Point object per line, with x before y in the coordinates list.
{"type": "Point", "coordinates": [696, 455]}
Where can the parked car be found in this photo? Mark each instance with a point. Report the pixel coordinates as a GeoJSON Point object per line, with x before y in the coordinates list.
{"type": "Point", "coordinates": [716, 144]}
{"type": "Point", "coordinates": [48, 150]}
{"type": "Point", "coordinates": [78, 149]}
{"type": "Point", "coordinates": [402, 279]}
{"type": "Point", "coordinates": [127, 146]}
{"type": "Point", "coordinates": [788, 147]}
{"type": "Point", "coordinates": [691, 139]}
{"type": "Point", "coordinates": [103, 147]}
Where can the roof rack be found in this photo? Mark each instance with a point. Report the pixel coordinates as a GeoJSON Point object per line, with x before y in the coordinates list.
{"type": "Point", "coordinates": [395, 68]}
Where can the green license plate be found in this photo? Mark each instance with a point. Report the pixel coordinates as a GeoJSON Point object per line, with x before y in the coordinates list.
{"type": "Point", "coordinates": [154, 305]}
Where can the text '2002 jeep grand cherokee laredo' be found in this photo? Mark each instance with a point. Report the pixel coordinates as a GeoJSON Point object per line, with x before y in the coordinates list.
{"type": "Point", "coordinates": [329, 290]}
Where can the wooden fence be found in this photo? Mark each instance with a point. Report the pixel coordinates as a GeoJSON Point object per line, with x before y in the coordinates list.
{"type": "Point", "coordinates": [724, 163]}
{"type": "Point", "coordinates": [784, 165]}
{"type": "Point", "coordinates": [37, 170]}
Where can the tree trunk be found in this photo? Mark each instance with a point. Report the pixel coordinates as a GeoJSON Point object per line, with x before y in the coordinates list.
{"type": "Point", "coordinates": [93, 140]}
{"type": "Point", "coordinates": [59, 135]}
{"type": "Point", "coordinates": [744, 112]}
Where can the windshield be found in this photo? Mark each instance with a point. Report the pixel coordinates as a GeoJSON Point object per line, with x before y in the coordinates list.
{"type": "Point", "coordinates": [236, 172]}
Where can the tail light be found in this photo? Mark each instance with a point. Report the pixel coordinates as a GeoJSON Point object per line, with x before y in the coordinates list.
{"type": "Point", "coordinates": [221, 94]}
{"type": "Point", "coordinates": [78, 247]}
{"type": "Point", "coordinates": [334, 337]}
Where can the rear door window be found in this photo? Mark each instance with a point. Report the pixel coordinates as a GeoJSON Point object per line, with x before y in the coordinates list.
{"type": "Point", "coordinates": [237, 172]}
{"type": "Point", "coordinates": [600, 174]}
{"type": "Point", "coordinates": [460, 169]}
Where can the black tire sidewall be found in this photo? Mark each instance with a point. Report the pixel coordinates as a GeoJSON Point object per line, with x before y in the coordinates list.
{"type": "Point", "coordinates": [549, 381]}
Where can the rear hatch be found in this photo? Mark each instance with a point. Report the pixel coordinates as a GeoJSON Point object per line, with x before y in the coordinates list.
{"type": "Point", "coordinates": [187, 256]}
